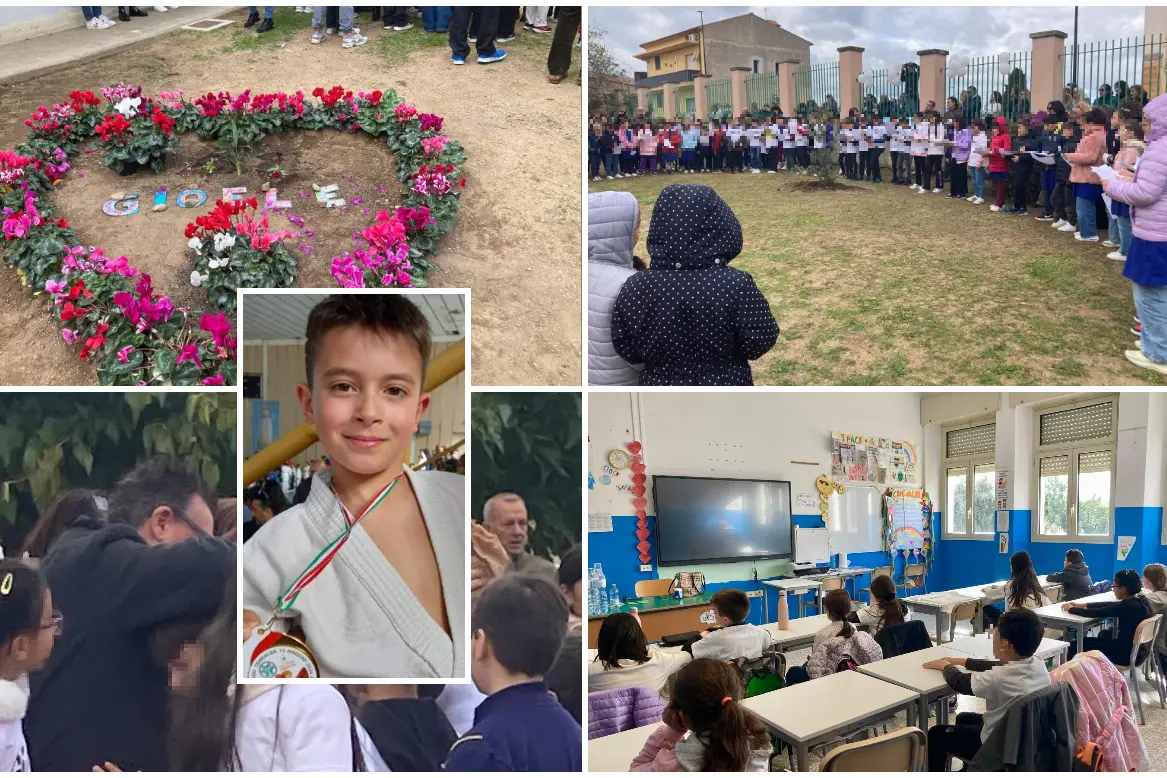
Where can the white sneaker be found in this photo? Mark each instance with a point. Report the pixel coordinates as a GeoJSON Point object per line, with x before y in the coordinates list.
{"type": "Point", "coordinates": [1078, 236]}
{"type": "Point", "coordinates": [1110, 244]}
{"type": "Point", "coordinates": [619, 175]}
{"type": "Point", "coordinates": [609, 178]}
{"type": "Point", "coordinates": [994, 207]}
{"type": "Point", "coordinates": [108, 22]}
{"type": "Point", "coordinates": [971, 198]}
{"type": "Point", "coordinates": [1067, 227]}
{"type": "Point", "coordinates": [96, 24]}
{"type": "Point", "coordinates": [1117, 256]}
{"type": "Point", "coordinates": [1058, 224]}
{"type": "Point", "coordinates": [353, 39]}
{"type": "Point", "coordinates": [922, 190]}
{"type": "Point", "coordinates": [937, 191]}
{"type": "Point", "coordinates": [755, 170]}
{"type": "Point", "coordinates": [913, 186]}
{"type": "Point", "coordinates": [161, 9]}
{"type": "Point", "coordinates": [1140, 359]}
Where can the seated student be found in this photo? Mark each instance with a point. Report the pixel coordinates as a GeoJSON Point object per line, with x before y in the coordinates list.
{"type": "Point", "coordinates": [1016, 674]}
{"type": "Point", "coordinates": [691, 319]}
{"type": "Point", "coordinates": [836, 641]}
{"type": "Point", "coordinates": [1074, 578]}
{"type": "Point", "coordinates": [1155, 578]}
{"type": "Point", "coordinates": [518, 625]}
{"type": "Point", "coordinates": [706, 729]}
{"type": "Point", "coordinates": [1022, 590]}
{"type": "Point", "coordinates": [624, 658]}
{"type": "Point", "coordinates": [390, 603]}
{"type": "Point", "coordinates": [1130, 611]}
{"type": "Point", "coordinates": [734, 638]}
{"type": "Point", "coordinates": [885, 611]}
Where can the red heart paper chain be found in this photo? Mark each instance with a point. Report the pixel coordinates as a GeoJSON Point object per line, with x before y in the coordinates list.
{"type": "Point", "coordinates": [639, 501]}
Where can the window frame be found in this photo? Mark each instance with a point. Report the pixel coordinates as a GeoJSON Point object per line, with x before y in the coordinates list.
{"type": "Point", "coordinates": [1073, 450]}
{"type": "Point", "coordinates": [656, 61]}
{"type": "Point", "coordinates": [970, 463]}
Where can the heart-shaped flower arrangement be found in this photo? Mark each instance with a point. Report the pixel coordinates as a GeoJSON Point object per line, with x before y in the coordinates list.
{"type": "Point", "coordinates": [134, 333]}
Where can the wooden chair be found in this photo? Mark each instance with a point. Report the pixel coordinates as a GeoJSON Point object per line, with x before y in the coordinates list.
{"type": "Point", "coordinates": [966, 610]}
{"type": "Point", "coordinates": [659, 587]}
{"type": "Point", "coordinates": [1144, 635]}
{"type": "Point", "coordinates": [876, 573]}
{"type": "Point", "coordinates": [901, 751]}
{"type": "Point", "coordinates": [913, 578]}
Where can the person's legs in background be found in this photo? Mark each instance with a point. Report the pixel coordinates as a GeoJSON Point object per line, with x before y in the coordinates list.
{"type": "Point", "coordinates": [319, 14]}
{"type": "Point", "coordinates": [962, 740]}
{"type": "Point", "coordinates": [459, 26]}
{"type": "Point", "coordinates": [537, 18]}
{"type": "Point", "coordinates": [1087, 224]}
{"type": "Point", "coordinates": [1124, 234]}
{"type": "Point", "coordinates": [1151, 306]}
{"type": "Point", "coordinates": [507, 16]}
{"type": "Point", "coordinates": [999, 186]}
{"type": "Point", "coordinates": [1071, 204]}
{"type": "Point", "coordinates": [979, 182]}
{"type": "Point", "coordinates": [395, 18]}
{"type": "Point", "coordinates": [93, 17]}
{"type": "Point", "coordinates": [332, 18]}
{"type": "Point", "coordinates": [351, 37]}
{"type": "Point", "coordinates": [610, 166]}
{"type": "Point", "coordinates": [268, 23]}
{"type": "Point", "coordinates": [559, 57]}
{"type": "Point", "coordinates": [876, 173]}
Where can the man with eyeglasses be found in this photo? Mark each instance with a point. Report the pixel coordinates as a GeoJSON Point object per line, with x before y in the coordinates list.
{"type": "Point", "coordinates": [103, 697]}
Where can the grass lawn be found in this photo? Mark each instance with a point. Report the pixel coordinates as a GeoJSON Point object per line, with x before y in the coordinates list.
{"type": "Point", "coordinates": [878, 285]}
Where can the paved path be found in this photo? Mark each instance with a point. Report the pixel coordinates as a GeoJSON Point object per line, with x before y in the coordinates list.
{"type": "Point", "coordinates": [37, 56]}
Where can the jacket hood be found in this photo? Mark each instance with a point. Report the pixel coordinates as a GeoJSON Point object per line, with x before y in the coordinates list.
{"type": "Point", "coordinates": [1002, 124]}
{"type": "Point", "coordinates": [690, 752]}
{"type": "Point", "coordinates": [1156, 111]}
{"type": "Point", "coordinates": [692, 228]}
{"type": "Point", "coordinates": [13, 699]}
{"type": "Point", "coordinates": [612, 221]}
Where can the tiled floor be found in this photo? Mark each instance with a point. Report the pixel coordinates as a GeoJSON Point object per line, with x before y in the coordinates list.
{"type": "Point", "coordinates": [1154, 732]}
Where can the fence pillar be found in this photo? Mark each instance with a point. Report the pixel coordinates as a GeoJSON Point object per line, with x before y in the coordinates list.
{"type": "Point", "coordinates": [737, 85]}
{"type": "Point", "coordinates": [850, 66]}
{"type": "Point", "coordinates": [933, 66]}
{"type": "Point", "coordinates": [787, 87]}
{"type": "Point", "coordinates": [701, 97]}
{"type": "Point", "coordinates": [1154, 30]}
{"type": "Point", "coordinates": [670, 102]}
{"type": "Point", "coordinates": [1046, 82]}
{"type": "Point", "coordinates": [642, 99]}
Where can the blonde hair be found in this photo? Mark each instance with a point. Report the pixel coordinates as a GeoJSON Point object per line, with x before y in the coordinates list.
{"type": "Point", "coordinates": [1156, 575]}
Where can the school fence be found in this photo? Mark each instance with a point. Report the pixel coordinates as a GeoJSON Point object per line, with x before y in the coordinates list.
{"type": "Point", "coordinates": [761, 93]}
{"type": "Point", "coordinates": [656, 104]}
{"type": "Point", "coordinates": [686, 101]}
{"type": "Point", "coordinates": [883, 97]}
{"type": "Point", "coordinates": [996, 85]}
{"type": "Point", "coordinates": [1109, 72]}
{"type": "Point", "coordinates": [719, 98]}
{"type": "Point", "coordinates": [816, 89]}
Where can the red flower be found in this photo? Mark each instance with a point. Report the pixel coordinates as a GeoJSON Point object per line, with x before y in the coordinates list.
{"type": "Point", "coordinates": [162, 121]}
{"type": "Point", "coordinates": [68, 312]}
{"type": "Point", "coordinates": [375, 97]}
{"type": "Point", "coordinates": [112, 126]}
{"type": "Point", "coordinates": [64, 225]}
{"type": "Point", "coordinates": [462, 182]}
{"type": "Point", "coordinates": [78, 290]}
{"type": "Point", "coordinates": [96, 342]}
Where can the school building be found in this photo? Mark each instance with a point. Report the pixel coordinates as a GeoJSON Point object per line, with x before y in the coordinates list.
{"type": "Point", "coordinates": [713, 49]}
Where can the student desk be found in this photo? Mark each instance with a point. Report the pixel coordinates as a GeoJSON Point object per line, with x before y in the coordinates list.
{"type": "Point", "coordinates": [940, 604]}
{"type": "Point", "coordinates": [810, 713]}
{"type": "Point", "coordinates": [981, 646]}
{"type": "Point", "coordinates": [976, 593]}
{"type": "Point", "coordinates": [799, 632]}
{"type": "Point", "coordinates": [614, 753]}
{"type": "Point", "coordinates": [907, 670]}
{"type": "Point", "coordinates": [795, 586]}
{"type": "Point", "coordinates": [659, 616]}
{"type": "Point", "coordinates": [1053, 616]}
{"type": "Point", "coordinates": [846, 573]}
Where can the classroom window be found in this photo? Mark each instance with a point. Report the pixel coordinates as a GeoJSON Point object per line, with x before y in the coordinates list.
{"type": "Point", "coordinates": [1075, 463]}
{"type": "Point", "coordinates": [969, 482]}
{"type": "Point", "coordinates": [657, 62]}
{"type": "Point", "coordinates": [756, 65]}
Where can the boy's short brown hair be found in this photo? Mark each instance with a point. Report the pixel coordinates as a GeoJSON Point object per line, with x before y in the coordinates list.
{"type": "Point", "coordinates": [385, 314]}
{"type": "Point", "coordinates": [734, 604]}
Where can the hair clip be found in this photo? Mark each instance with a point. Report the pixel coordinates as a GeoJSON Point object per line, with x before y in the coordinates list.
{"type": "Point", "coordinates": [6, 584]}
{"type": "Point", "coordinates": [725, 700]}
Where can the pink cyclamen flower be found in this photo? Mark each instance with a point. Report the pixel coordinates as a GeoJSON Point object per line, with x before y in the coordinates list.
{"type": "Point", "coordinates": [124, 354]}
{"type": "Point", "coordinates": [69, 335]}
{"type": "Point", "coordinates": [190, 351]}
{"type": "Point", "coordinates": [215, 380]}
{"type": "Point", "coordinates": [55, 287]}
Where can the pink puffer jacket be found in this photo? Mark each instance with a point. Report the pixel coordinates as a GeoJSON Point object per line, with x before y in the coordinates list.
{"type": "Point", "coordinates": [1106, 713]}
{"type": "Point", "coordinates": [1147, 194]}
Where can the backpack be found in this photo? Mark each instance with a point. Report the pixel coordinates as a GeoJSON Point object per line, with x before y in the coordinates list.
{"type": "Point", "coordinates": [846, 663]}
{"type": "Point", "coordinates": [762, 674]}
{"type": "Point", "coordinates": [1088, 759]}
{"type": "Point", "coordinates": [690, 584]}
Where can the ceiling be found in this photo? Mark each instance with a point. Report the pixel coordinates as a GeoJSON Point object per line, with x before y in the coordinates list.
{"type": "Point", "coordinates": [284, 316]}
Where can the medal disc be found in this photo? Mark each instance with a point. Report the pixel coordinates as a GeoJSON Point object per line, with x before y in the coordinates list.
{"type": "Point", "coordinates": [278, 655]}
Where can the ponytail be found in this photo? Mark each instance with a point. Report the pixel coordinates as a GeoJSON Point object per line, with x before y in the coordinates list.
{"type": "Point", "coordinates": [708, 692]}
{"type": "Point", "coordinates": [837, 604]}
{"type": "Point", "coordinates": [732, 738]}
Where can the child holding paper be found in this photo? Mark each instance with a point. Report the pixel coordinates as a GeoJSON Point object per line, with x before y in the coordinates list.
{"type": "Point", "coordinates": [1130, 138]}
{"type": "Point", "coordinates": [647, 141]}
{"type": "Point", "coordinates": [1049, 176]}
{"type": "Point", "coordinates": [999, 161]}
{"type": "Point", "coordinates": [1146, 264]}
{"type": "Point", "coordinates": [1087, 184]}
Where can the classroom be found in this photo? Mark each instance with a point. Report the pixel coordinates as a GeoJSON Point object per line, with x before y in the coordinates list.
{"type": "Point", "coordinates": [813, 492]}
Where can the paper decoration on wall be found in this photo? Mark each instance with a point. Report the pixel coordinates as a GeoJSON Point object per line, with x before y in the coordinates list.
{"type": "Point", "coordinates": [191, 198]}
{"type": "Point", "coordinates": [805, 502]}
{"type": "Point", "coordinates": [861, 459]}
{"type": "Point", "coordinates": [1003, 543]}
{"type": "Point", "coordinates": [907, 516]}
{"type": "Point", "coordinates": [1126, 544]}
{"type": "Point", "coordinates": [125, 205]}
{"type": "Point", "coordinates": [825, 489]}
{"type": "Point", "coordinates": [639, 501]}
{"type": "Point", "coordinates": [599, 522]}
{"type": "Point", "coordinates": [591, 482]}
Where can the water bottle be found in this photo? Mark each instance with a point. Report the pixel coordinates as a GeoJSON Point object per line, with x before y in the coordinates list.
{"type": "Point", "coordinates": [593, 596]}
{"type": "Point", "coordinates": [601, 590]}
{"type": "Point", "coordinates": [613, 598]}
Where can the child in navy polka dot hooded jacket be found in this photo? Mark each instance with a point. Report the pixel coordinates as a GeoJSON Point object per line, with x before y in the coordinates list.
{"type": "Point", "coordinates": [690, 319]}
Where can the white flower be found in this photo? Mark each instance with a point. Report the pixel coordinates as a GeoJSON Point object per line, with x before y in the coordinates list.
{"type": "Point", "coordinates": [195, 244]}
{"type": "Point", "coordinates": [197, 279]}
{"type": "Point", "coordinates": [128, 107]}
{"type": "Point", "coordinates": [223, 241]}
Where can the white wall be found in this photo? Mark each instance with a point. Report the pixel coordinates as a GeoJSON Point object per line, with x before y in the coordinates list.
{"type": "Point", "coordinates": [735, 435]}
{"type": "Point", "coordinates": [19, 23]}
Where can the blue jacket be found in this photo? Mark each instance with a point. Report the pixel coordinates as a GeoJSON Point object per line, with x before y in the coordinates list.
{"type": "Point", "coordinates": [519, 729]}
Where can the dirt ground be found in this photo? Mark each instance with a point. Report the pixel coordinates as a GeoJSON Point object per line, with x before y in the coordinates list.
{"type": "Point", "coordinates": [516, 242]}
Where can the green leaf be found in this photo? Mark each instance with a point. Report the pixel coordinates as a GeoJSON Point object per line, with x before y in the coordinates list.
{"type": "Point", "coordinates": [83, 456]}
{"type": "Point", "coordinates": [137, 402]}
{"type": "Point", "coordinates": [164, 362]}
{"type": "Point", "coordinates": [210, 472]}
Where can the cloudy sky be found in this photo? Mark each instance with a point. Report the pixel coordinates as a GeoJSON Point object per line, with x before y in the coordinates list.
{"type": "Point", "coordinates": [890, 35]}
